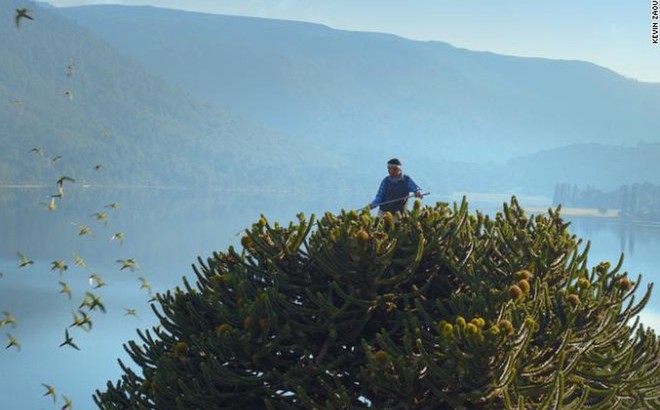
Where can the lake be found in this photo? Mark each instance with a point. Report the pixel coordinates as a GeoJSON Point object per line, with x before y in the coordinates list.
{"type": "Point", "coordinates": [165, 230]}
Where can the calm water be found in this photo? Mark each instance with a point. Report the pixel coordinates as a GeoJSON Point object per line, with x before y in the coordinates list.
{"type": "Point", "coordinates": [165, 231]}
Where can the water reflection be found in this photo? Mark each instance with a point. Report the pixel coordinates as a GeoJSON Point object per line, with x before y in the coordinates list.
{"type": "Point", "coordinates": [627, 232]}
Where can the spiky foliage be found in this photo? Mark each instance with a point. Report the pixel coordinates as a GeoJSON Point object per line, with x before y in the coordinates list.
{"type": "Point", "coordinates": [435, 308]}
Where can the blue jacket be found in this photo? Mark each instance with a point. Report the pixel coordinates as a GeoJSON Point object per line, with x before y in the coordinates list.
{"type": "Point", "coordinates": [391, 189]}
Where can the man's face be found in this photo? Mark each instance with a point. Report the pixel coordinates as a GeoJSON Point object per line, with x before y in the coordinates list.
{"type": "Point", "coordinates": [394, 171]}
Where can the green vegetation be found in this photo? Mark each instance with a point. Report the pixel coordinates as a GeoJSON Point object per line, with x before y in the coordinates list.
{"type": "Point", "coordinates": [435, 308]}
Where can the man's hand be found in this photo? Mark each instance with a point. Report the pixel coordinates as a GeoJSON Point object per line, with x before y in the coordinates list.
{"type": "Point", "coordinates": [418, 194]}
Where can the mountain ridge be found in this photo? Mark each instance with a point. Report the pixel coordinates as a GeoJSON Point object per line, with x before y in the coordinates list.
{"type": "Point", "coordinates": [365, 88]}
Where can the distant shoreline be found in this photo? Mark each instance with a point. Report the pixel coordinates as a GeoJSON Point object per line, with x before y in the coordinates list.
{"type": "Point", "coordinates": [533, 204]}
{"type": "Point", "coordinates": [590, 212]}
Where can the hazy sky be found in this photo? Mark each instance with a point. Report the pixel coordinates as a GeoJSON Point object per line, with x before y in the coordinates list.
{"type": "Point", "coordinates": [616, 34]}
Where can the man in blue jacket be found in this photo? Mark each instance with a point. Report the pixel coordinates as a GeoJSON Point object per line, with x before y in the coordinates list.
{"type": "Point", "coordinates": [393, 192]}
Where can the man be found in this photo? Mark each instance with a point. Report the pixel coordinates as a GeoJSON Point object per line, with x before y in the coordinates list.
{"type": "Point", "coordinates": [393, 192]}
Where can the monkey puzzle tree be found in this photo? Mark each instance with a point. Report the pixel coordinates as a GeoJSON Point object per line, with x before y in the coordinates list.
{"type": "Point", "coordinates": [434, 308]}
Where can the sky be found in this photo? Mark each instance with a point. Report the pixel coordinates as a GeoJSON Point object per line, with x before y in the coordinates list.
{"type": "Point", "coordinates": [616, 34]}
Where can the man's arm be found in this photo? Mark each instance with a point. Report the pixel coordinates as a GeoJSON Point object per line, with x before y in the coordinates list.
{"type": "Point", "coordinates": [379, 195]}
{"type": "Point", "coordinates": [413, 187]}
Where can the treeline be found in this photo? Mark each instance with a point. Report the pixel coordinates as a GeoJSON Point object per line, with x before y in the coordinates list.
{"type": "Point", "coordinates": [634, 201]}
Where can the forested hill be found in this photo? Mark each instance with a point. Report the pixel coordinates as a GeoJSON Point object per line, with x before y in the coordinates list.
{"type": "Point", "coordinates": [147, 96]}
{"type": "Point", "coordinates": [71, 104]}
{"type": "Point", "coordinates": [376, 94]}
